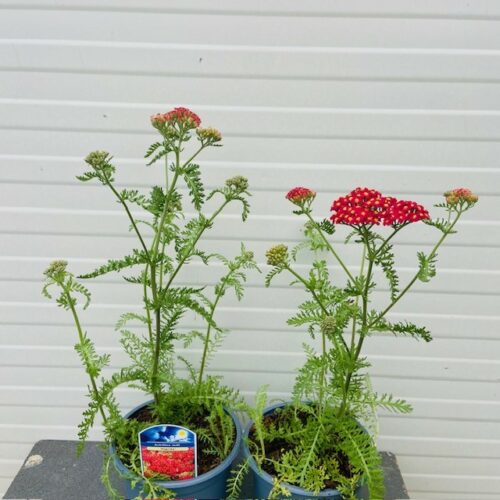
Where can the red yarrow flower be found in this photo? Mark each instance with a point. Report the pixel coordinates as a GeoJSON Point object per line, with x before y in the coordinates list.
{"type": "Point", "coordinates": [181, 116]}
{"type": "Point", "coordinates": [365, 206]}
{"type": "Point", "coordinates": [300, 195]}
{"type": "Point", "coordinates": [458, 195]}
{"type": "Point", "coordinates": [403, 211]}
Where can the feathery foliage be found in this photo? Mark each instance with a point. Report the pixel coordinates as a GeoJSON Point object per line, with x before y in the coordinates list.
{"type": "Point", "coordinates": [167, 242]}
{"type": "Point", "coordinates": [324, 438]}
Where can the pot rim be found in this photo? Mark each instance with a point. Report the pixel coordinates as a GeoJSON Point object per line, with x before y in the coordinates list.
{"type": "Point", "coordinates": [186, 483]}
{"type": "Point", "coordinates": [266, 476]}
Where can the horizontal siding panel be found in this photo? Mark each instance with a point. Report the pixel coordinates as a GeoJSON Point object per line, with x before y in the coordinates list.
{"type": "Point", "coordinates": [95, 198]}
{"type": "Point", "coordinates": [466, 483]}
{"type": "Point", "coordinates": [30, 272]}
{"type": "Point", "coordinates": [65, 142]}
{"type": "Point", "coordinates": [240, 30]}
{"type": "Point", "coordinates": [461, 325]}
{"type": "Point", "coordinates": [441, 447]}
{"type": "Point", "coordinates": [324, 123]}
{"type": "Point", "coordinates": [447, 466]}
{"type": "Point", "coordinates": [24, 247]}
{"type": "Point", "coordinates": [430, 495]}
{"type": "Point", "coordinates": [264, 176]}
{"type": "Point", "coordinates": [75, 396]}
{"type": "Point", "coordinates": [323, 8]}
{"type": "Point", "coordinates": [228, 226]}
{"type": "Point", "coordinates": [487, 371]}
{"type": "Point", "coordinates": [406, 386]}
{"type": "Point", "coordinates": [250, 61]}
{"type": "Point", "coordinates": [111, 88]}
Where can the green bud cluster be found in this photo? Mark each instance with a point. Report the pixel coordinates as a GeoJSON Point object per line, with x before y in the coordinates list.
{"type": "Point", "coordinates": [237, 183]}
{"type": "Point", "coordinates": [277, 255]}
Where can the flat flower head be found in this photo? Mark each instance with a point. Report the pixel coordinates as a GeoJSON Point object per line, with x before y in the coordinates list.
{"type": "Point", "coordinates": [277, 255]}
{"type": "Point", "coordinates": [404, 212]}
{"type": "Point", "coordinates": [300, 195]}
{"type": "Point", "coordinates": [182, 116]}
{"type": "Point", "coordinates": [361, 206]}
{"type": "Point", "coordinates": [460, 196]}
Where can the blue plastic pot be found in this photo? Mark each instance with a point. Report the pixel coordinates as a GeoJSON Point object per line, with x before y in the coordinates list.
{"type": "Point", "coordinates": [263, 482]}
{"type": "Point", "coordinates": [206, 486]}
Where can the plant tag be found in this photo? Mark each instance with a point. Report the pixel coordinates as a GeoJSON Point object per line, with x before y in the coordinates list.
{"type": "Point", "coordinates": [169, 451]}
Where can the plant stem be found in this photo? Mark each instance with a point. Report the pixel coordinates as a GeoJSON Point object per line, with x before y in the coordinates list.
{"type": "Point", "coordinates": [129, 214]}
{"type": "Point", "coordinates": [81, 338]}
{"type": "Point", "coordinates": [209, 328]}
{"type": "Point", "coordinates": [412, 281]}
{"type": "Point", "coordinates": [330, 247]}
{"type": "Point", "coordinates": [354, 322]}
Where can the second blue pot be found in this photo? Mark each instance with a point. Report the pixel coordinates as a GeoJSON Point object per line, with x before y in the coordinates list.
{"type": "Point", "coordinates": [206, 486]}
{"type": "Point", "coordinates": [263, 482]}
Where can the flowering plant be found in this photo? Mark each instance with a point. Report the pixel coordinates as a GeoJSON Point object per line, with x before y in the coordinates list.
{"type": "Point", "coordinates": [317, 441]}
{"type": "Point", "coordinates": [167, 241]}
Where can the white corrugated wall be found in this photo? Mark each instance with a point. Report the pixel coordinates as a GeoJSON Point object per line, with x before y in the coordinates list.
{"type": "Point", "coordinates": [399, 95]}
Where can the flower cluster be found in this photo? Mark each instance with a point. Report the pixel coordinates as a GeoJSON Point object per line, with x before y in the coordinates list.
{"type": "Point", "coordinates": [402, 211]}
{"type": "Point", "coordinates": [277, 255]}
{"type": "Point", "coordinates": [300, 195]}
{"type": "Point", "coordinates": [174, 464]}
{"type": "Point", "coordinates": [56, 269]}
{"type": "Point", "coordinates": [238, 183]}
{"type": "Point", "coordinates": [209, 135]}
{"type": "Point", "coordinates": [460, 195]}
{"type": "Point", "coordinates": [97, 158]}
{"type": "Point", "coordinates": [182, 116]}
{"type": "Point", "coordinates": [368, 206]}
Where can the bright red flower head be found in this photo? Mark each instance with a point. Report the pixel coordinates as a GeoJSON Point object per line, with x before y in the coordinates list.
{"type": "Point", "coordinates": [360, 206]}
{"type": "Point", "coordinates": [299, 195]}
{"type": "Point", "coordinates": [403, 211]}
{"type": "Point", "coordinates": [364, 206]}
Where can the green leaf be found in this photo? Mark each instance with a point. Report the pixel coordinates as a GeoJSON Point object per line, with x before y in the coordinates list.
{"type": "Point", "coordinates": [192, 177]}
{"type": "Point", "coordinates": [137, 257]}
{"type": "Point", "coordinates": [427, 267]}
{"type": "Point", "coordinates": [385, 259]}
{"type": "Point", "coordinates": [403, 328]}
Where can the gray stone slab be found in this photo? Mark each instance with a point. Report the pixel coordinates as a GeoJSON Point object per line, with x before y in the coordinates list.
{"type": "Point", "coordinates": [63, 476]}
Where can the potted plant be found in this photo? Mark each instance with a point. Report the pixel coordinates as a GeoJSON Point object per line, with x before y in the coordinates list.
{"type": "Point", "coordinates": [167, 241]}
{"type": "Point", "coordinates": [319, 444]}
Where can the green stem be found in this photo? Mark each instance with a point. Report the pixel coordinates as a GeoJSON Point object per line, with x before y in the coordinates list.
{"type": "Point", "coordinates": [81, 338]}
{"type": "Point", "coordinates": [354, 321]}
{"type": "Point", "coordinates": [209, 329]}
{"type": "Point", "coordinates": [129, 214]}
{"type": "Point", "coordinates": [414, 279]}
{"type": "Point", "coordinates": [313, 293]}
{"type": "Point", "coordinates": [330, 247]}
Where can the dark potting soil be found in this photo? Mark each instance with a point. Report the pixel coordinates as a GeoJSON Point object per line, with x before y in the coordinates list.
{"type": "Point", "coordinates": [206, 462]}
{"type": "Point", "coordinates": [276, 448]}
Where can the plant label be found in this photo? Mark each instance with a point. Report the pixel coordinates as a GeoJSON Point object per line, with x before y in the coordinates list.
{"type": "Point", "coordinates": [168, 452]}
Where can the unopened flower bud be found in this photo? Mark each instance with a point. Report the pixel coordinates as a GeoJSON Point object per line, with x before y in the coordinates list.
{"type": "Point", "coordinates": [209, 135]}
{"type": "Point", "coordinates": [328, 325]}
{"type": "Point", "coordinates": [277, 255]}
{"type": "Point", "coordinates": [460, 195]}
{"type": "Point", "coordinates": [237, 183]}
{"type": "Point", "coordinates": [97, 159]}
{"type": "Point", "coordinates": [56, 269]}
{"type": "Point", "coordinates": [300, 195]}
